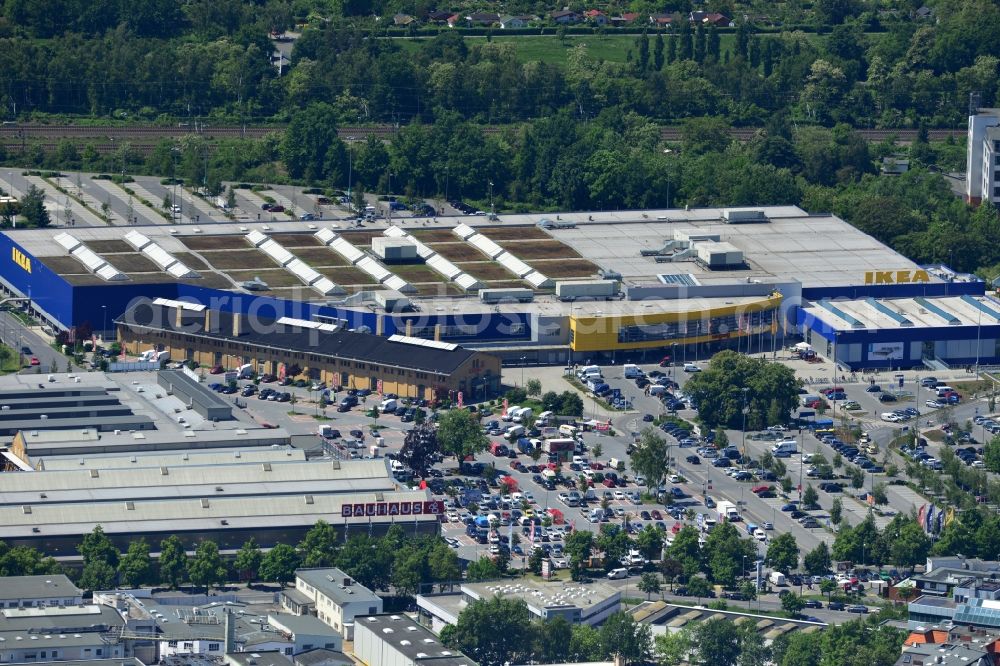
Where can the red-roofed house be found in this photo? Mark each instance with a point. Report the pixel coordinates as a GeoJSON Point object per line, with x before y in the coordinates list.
{"type": "Point", "coordinates": [596, 16]}
{"type": "Point", "coordinates": [661, 20]}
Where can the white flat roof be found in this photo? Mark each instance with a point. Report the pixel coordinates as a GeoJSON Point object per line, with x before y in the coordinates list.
{"type": "Point", "coordinates": [817, 250]}
{"type": "Point", "coordinates": [921, 316]}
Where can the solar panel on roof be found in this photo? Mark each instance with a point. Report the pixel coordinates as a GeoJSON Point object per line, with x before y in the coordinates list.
{"type": "Point", "coordinates": [683, 279]}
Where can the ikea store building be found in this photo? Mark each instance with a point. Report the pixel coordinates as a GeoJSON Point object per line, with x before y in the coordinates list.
{"type": "Point", "coordinates": [592, 286]}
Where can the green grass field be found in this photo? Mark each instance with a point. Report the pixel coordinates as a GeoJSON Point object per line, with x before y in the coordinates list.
{"type": "Point", "coordinates": [548, 48]}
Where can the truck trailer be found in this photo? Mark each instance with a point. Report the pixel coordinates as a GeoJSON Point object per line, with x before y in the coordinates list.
{"type": "Point", "coordinates": [728, 511]}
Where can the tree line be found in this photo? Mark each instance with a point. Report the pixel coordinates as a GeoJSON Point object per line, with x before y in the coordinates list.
{"type": "Point", "coordinates": [394, 561]}
{"type": "Point", "coordinates": [500, 631]}
{"type": "Point", "coordinates": [213, 59]}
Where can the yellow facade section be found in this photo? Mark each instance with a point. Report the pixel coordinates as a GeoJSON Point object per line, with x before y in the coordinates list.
{"type": "Point", "coordinates": [589, 333]}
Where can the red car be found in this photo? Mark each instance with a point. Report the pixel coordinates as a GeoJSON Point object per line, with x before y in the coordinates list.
{"type": "Point", "coordinates": [34, 360]}
{"type": "Point", "coordinates": [609, 483]}
{"type": "Point", "coordinates": [217, 370]}
{"type": "Point", "coordinates": [760, 489]}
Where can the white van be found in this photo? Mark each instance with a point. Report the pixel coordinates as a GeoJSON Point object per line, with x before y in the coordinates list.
{"type": "Point", "coordinates": [388, 405]}
{"type": "Point", "coordinates": [514, 432]}
{"type": "Point", "coordinates": [632, 371]}
{"type": "Point", "coordinates": [618, 574]}
{"type": "Point", "coordinates": [568, 430]}
{"type": "Point", "coordinates": [544, 418]}
{"type": "Point", "coordinates": [942, 391]}
{"type": "Point", "coordinates": [596, 515]}
{"type": "Point", "coordinates": [614, 463]}
{"type": "Point", "coordinates": [521, 414]}
{"type": "Point", "coordinates": [511, 410]}
{"type": "Point", "coordinates": [588, 369]}
{"type": "Point", "coordinates": [786, 447]}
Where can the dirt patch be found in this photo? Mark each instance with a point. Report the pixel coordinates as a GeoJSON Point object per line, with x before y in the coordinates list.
{"type": "Point", "coordinates": [460, 251]}
{"type": "Point", "coordinates": [83, 280]}
{"type": "Point", "coordinates": [214, 242]}
{"type": "Point", "coordinates": [191, 261]}
{"type": "Point", "coordinates": [514, 233]}
{"type": "Point", "coordinates": [106, 246]}
{"type": "Point", "coordinates": [505, 284]}
{"type": "Point", "coordinates": [296, 239]}
{"type": "Point", "coordinates": [64, 265]}
{"type": "Point", "coordinates": [566, 268]}
{"type": "Point", "coordinates": [133, 262]}
{"type": "Point", "coordinates": [434, 235]}
{"type": "Point", "coordinates": [549, 249]}
{"type": "Point", "coordinates": [439, 289]}
{"type": "Point", "coordinates": [273, 278]}
{"type": "Point", "coordinates": [319, 256]}
{"type": "Point", "coordinates": [210, 281]}
{"type": "Point", "coordinates": [238, 259]}
{"type": "Point", "coordinates": [348, 275]}
{"type": "Point", "coordinates": [415, 272]}
{"type": "Point", "coordinates": [362, 239]}
{"type": "Point", "coordinates": [486, 270]}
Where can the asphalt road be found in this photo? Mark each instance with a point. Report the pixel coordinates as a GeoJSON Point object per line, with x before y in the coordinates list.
{"type": "Point", "coordinates": [16, 336]}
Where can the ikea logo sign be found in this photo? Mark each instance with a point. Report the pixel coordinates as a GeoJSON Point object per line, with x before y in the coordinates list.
{"type": "Point", "coordinates": [896, 277]}
{"type": "Point", "coordinates": [21, 259]}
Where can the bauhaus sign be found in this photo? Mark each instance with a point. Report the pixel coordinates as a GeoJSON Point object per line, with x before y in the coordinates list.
{"type": "Point", "coordinates": [896, 277]}
{"type": "Point", "coordinates": [433, 508]}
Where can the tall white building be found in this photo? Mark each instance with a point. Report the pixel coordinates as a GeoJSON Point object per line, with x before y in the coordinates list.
{"type": "Point", "coordinates": [982, 172]}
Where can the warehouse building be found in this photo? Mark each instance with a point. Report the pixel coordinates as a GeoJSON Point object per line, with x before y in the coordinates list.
{"type": "Point", "coordinates": [526, 288]}
{"type": "Point", "coordinates": [409, 367]}
{"type": "Point", "coordinates": [39, 592]}
{"type": "Point", "coordinates": [33, 446]}
{"type": "Point", "coordinates": [905, 332]}
{"type": "Point", "coordinates": [396, 640]}
{"type": "Point", "coordinates": [223, 456]}
{"type": "Point", "coordinates": [59, 633]}
{"type": "Point", "coordinates": [272, 502]}
{"type": "Point", "coordinates": [577, 603]}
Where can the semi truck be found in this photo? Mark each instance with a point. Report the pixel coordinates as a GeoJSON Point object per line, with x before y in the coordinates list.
{"type": "Point", "coordinates": [588, 289]}
{"type": "Point", "coordinates": [728, 511]}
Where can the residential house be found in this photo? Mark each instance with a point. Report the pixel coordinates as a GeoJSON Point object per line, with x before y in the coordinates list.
{"type": "Point", "coordinates": [565, 17]}
{"type": "Point", "coordinates": [625, 19]}
{"type": "Point", "coordinates": [596, 16]}
{"type": "Point", "coordinates": [511, 22]}
{"type": "Point", "coordinates": [956, 646]}
{"type": "Point", "coordinates": [455, 20]}
{"type": "Point", "coordinates": [661, 20]}
{"type": "Point", "coordinates": [438, 17]}
{"type": "Point", "coordinates": [924, 13]}
{"type": "Point", "coordinates": [332, 596]}
{"type": "Point", "coordinates": [711, 18]}
{"type": "Point", "coordinates": [482, 18]}
{"type": "Point", "coordinates": [403, 20]}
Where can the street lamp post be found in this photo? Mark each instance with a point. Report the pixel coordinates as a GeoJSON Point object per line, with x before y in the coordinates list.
{"type": "Point", "coordinates": [104, 331]}
{"type": "Point", "coordinates": [744, 433]}
{"type": "Point", "coordinates": [524, 361]}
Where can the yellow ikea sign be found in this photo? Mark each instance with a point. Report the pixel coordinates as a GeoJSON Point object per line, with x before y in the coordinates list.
{"type": "Point", "coordinates": [896, 277]}
{"type": "Point", "coordinates": [20, 259]}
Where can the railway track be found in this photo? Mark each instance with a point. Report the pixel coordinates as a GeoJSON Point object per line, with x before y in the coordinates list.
{"type": "Point", "coordinates": [143, 139]}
